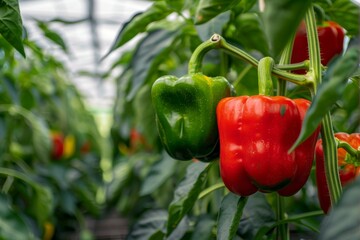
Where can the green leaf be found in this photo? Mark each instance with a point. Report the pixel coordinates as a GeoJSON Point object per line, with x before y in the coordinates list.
{"type": "Point", "coordinates": [176, 5]}
{"type": "Point", "coordinates": [329, 92]}
{"type": "Point", "coordinates": [281, 19]}
{"type": "Point", "coordinates": [160, 171]}
{"type": "Point", "coordinates": [149, 226]}
{"type": "Point", "coordinates": [343, 220]}
{"type": "Point", "coordinates": [27, 98]}
{"type": "Point", "coordinates": [208, 9]}
{"type": "Point", "coordinates": [42, 204]}
{"type": "Point", "coordinates": [52, 35]}
{"type": "Point", "coordinates": [11, 24]}
{"type": "Point", "coordinates": [257, 214]}
{"type": "Point", "coordinates": [346, 13]}
{"type": "Point", "coordinates": [186, 193]}
{"type": "Point", "coordinates": [203, 228]}
{"type": "Point", "coordinates": [40, 133]}
{"type": "Point", "coordinates": [41, 139]}
{"type": "Point", "coordinates": [151, 52]}
{"type": "Point", "coordinates": [215, 25]}
{"type": "Point", "coordinates": [145, 115]}
{"type": "Point", "coordinates": [139, 23]}
{"type": "Point", "coordinates": [12, 224]}
{"type": "Point", "coordinates": [230, 214]}
{"type": "Point", "coordinates": [249, 25]}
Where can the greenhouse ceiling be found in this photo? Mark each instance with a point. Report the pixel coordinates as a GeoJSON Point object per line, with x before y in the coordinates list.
{"type": "Point", "coordinates": [87, 41]}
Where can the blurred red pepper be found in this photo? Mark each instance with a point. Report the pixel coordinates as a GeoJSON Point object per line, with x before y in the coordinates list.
{"type": "Point", "coordinates": [57, 145]}
{"type": "Point", "coordinates": [331, 40]}
{"type": "Point", "coordinates": [347, 170]}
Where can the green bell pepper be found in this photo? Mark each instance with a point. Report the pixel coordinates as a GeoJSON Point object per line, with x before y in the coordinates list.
{"type": "Point", "coordinates": [186, 114]}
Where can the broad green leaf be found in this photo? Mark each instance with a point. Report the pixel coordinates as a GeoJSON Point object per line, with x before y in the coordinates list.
{"type": "Point", "coordinates": [203, 228]}
{"type": "Point", "coordinates": [208, 9]}
{"type": "Point", "coordinates": [176, 5]}
{"type": "Point", "coordinates": [149, 226]}
{"type": "Point", "coordinates": [52, 35]}
{"type": "Point", "coordinates": [215, 25]}
{"type": "Point", "coordinates": [329, 92]}
{"type": "Point", "coordinates": [40, 134]}
{"type": "Point", "coordinates": [87, 198]}
{"type": "Point", "coordinates": [138, 24]}
{"type": "Point", "coordinates": [343, 220]}
{"type": "Point", "coordinates": [145, 115]}
{"type": "Point", "coordinates": [229, 217]}
{"type": "Point", "coordinates": [11, 27]}
{"type": "Point", "coordinates": [27, 98]}
{"type": "Point", "coordinates": [41, 138]}
{"type": "Point", "coordinates": [186, 193]}
{"type": "Point", "coordinates": [12, 223]}
{"type": "Point", "coordinates": [346, 13]}
{"type": "Point", "coordinates": [160, 171]}
{"type": "Point", "coordinates": [256, 215]}
{"type": "Point", "coordinates": [151, 52]}
{"type": "Point", "coordinates": [42, 204]}
{"type": "Point", "coordinates": [249, 25]}
{"type": "Point", "coordinates": [281, 19]}
{"type": "Point", "coordinates": [346, 118]}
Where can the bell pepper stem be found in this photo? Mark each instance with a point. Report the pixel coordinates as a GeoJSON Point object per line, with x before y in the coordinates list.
{"type": "Point", "coordinates": [282, 231]}
{"type": "Point", "coordinates": [197, 57]}
{"type": "Point", "coordinates": [327, 134]}
{"type": "Point", "coordinates": [218, 42]}
{"type": "Point", "coordinates": [291, 77]}
{"type": "Point", "coordinates": [285, 58]}
{"type": "Point", "coordinates": [264, 76]}
{"type": "Point", "coordinates": [348, 148]}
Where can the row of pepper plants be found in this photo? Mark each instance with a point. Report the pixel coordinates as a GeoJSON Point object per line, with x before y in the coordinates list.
{"type": "Point", "coordinates": [48, 138]}
{"type": "Point", "coordinates": [243, 95]}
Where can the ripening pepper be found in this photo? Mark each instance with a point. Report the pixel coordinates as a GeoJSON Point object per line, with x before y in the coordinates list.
{"type": "Point", "coordinates": [57, 150]}
{"type": "Point", "coordinates": [331, 41]}
{"type": "Point", "coordinates": [348, 171]}
{"type": "Point", "coordinates": [255, 134]}
{"type": "Point", "coordinates": [186, 114]}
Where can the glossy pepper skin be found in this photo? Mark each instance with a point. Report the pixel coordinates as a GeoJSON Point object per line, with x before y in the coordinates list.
{"type": "Point", "coordinates": [331, 41]}
{"type": "Point", "coordinates": [347, 171]}
{"type": "Point", "coordinates": [186, 114]}
{"type": "Point", "coordinates": [256, 133]}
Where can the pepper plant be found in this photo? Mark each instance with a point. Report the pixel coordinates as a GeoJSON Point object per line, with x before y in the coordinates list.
{"type": "Point", "coordinates": [262, 183]}
{"type": "Point", "coordinates": [45, 132]}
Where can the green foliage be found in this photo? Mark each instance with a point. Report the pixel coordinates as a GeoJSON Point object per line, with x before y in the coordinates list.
{"type": "Point", "coordinates": [230, 214]}
{"type": "Point", "coordinates": [329, 92]}
{"type": "Point", "coordinates": [281, 19]}
{"type": "Point", "coordinates": [11, 24]}
{"type": "Point", "coordinates": [37, 98]}
{"type": "Point", "coordinates": [346, 209]}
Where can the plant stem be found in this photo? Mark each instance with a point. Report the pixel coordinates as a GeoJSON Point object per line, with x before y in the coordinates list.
{"type": "Point", "coordinates": [282, 230]}
{"type": "Point", "coordinates": [197, 57]}
{"type": "Point", "coordinates": [216, 41]}
{"type": "Point", "coordinates": [211, 189]}
{"type": "Point", "coordinates": [327, 134]}
{"type": "Point", "coordinates": [291, 77]}
{"type": "Point", "coordinates": [285, 59]}
{"type": "Point", "coordinates": [348, 148]}
{"type": "Point", "coordinates": [264, 76]}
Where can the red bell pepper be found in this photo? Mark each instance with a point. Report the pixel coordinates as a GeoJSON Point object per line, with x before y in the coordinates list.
{"type": "Point", "coordinates": [255, 134]}
{"type": "Point", "coordinates": [347, 170]}
{"type": "Point", "coordinates": [331, 41]}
